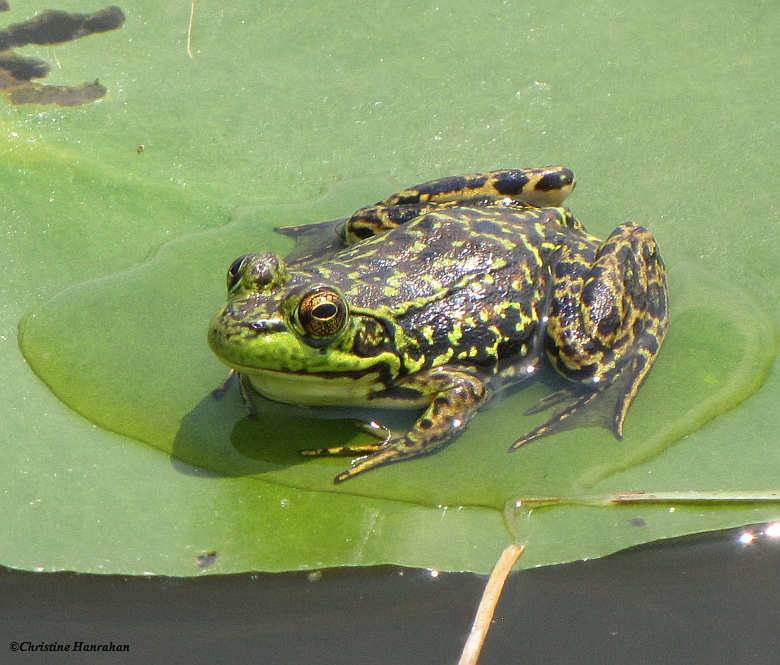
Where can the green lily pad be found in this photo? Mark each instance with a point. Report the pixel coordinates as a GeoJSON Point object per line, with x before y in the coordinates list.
{"type": "Point", "coordinates": [115, 260]}
{"type": "Point", "coordinates": [127, 351]}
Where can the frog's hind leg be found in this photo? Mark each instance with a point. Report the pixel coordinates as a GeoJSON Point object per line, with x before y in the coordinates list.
{"type": "Point", "coordinates": [545, 186]}
{"type": "Point", "coordinates": [540, 187]}
{"type": "Point", "coordinates": [605, 330]}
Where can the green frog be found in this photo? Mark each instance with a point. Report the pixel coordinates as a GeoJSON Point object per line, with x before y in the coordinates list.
{"type": "Point", "coordinates": [440, 296]}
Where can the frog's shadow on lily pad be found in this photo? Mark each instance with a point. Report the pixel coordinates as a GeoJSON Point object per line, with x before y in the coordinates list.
{"type": "Point", "coordinates": [218, 434]}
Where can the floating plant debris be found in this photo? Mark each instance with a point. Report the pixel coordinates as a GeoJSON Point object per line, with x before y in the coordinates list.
{"type": "Point", "coordinates": [47, 28]}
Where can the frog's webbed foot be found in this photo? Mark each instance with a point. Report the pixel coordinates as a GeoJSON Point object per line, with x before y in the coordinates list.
{"type": "Point", "coordinates": [550, 401]}
{"type": "Point", "coordinates": [314, 242]}
{"type": "Point", "coordinates": [568, 417]}
{"type": "Point", "coordinates": [605, 406]}
{"type": "Point", "coordinates": [456, 397]}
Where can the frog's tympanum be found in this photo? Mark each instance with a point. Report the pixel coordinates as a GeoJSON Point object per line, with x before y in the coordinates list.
{"type": "Point", "coordinates": [439, 296]}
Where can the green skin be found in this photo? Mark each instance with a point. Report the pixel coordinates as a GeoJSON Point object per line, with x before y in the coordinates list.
{"type": "Point", "coordinates": [439, 296]}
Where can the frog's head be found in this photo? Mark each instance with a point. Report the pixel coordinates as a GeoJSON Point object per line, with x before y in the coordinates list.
{"type": "Point", "coordinates": [299, 342]}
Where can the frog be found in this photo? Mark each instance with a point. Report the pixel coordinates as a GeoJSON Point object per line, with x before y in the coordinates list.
{"type": "Point", "coordinates": [440, 297]}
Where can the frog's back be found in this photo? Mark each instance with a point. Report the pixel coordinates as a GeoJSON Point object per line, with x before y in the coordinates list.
{"type": "Point", "coordinates": [466, 285]}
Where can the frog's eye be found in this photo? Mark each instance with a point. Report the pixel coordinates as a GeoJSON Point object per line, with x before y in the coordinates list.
{"type": "Point", "coordinates": [235, 271]}
{"type": "Point", "coordinates": [322, 312]}
{"type": "Point", "coordinates": [254, 272]}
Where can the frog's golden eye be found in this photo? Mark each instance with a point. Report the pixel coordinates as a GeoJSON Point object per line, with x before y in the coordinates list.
{"type": "Point", "coordinates": [322, 312]}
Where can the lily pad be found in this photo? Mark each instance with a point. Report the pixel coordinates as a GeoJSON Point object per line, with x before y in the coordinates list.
{"type": "Point", "coordinates": [127, 352]}
{"type": "Point", "coordinates": [115, 261]}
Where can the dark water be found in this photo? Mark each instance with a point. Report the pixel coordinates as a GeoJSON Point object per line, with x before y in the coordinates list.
{"type": "Point", "coordinates": [701, 599]}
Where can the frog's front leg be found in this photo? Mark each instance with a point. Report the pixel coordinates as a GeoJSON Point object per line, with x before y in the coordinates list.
{"type": "Point", "coordinates": [606, 327]}
{"type": "Point", "coordinates": [455, 397]}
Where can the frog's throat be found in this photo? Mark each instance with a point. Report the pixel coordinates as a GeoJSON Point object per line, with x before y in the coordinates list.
{"type": "Point", "coordinates": [328, 389]}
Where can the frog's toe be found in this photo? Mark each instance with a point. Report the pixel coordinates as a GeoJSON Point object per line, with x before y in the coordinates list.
{"type": "Point", "coordinates": [550, 401]}
{"type": "Point", "coordinates": [386, 455]}
{"type": "Point", "coordinates": [367, 455]}
{"type": "Point", "coordinates": [347, 450]}
{"type": "Point", "coordinates": [375, 429]}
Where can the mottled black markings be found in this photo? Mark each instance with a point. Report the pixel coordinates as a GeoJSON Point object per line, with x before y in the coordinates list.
{"type": "Point", "coordinates": [371, 339]}
{"type": "Point", "coordinates": [475, 395]}
{"type": "Point", "coordinates": [584, 373]}
{"type": "Point", "coordinates": [509, 351]}
{"type": "Point", "coordinates": [487, 226]}
{"type": "Point", "coordinates": [509, 319]}
{"type": "Point", "coordinates": [555, 180]}
{"type": "Point", "coordinates": [439, 403]}
{"type": "Point", "coordinates": [656, 299]}
{"type": "Point", "coordinates": [638, 327]}
{"type": "Point", "coordinates": [651, 343]}
{"type": "Point", "coordinates": [238, 310]}
{"type": "Point", "coordinates": [375, 219]}
{"type": "Point", "coordinates": [566, 309]}
{"type": "Point", "coordinates": [562, 216]}
{"type": "Point", "coordinates": [476, 181]}
{"type": "Point", "coordinates": [362, 232]}
{"type": "Point", "coordinates": [425, 224]}
{"type": "Point", "coordinates": [381, 368]}
{"type": "Point", "coordinates": [631, 276]}
{"type": "Point", "coordinates": [569, 270]}
{"type": "Point", "coordinates": [438, 323]}
{"type": "Point", "coordinates": [597, 297]}
{"type": "Point", "coordinates": [447, 185]}
{"type": "Point", "coordinates": [511, 182]}
{"type": "Point", "coordinates": [402, 237]}
{"type": "Point", "coordinates": [608, 324]}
